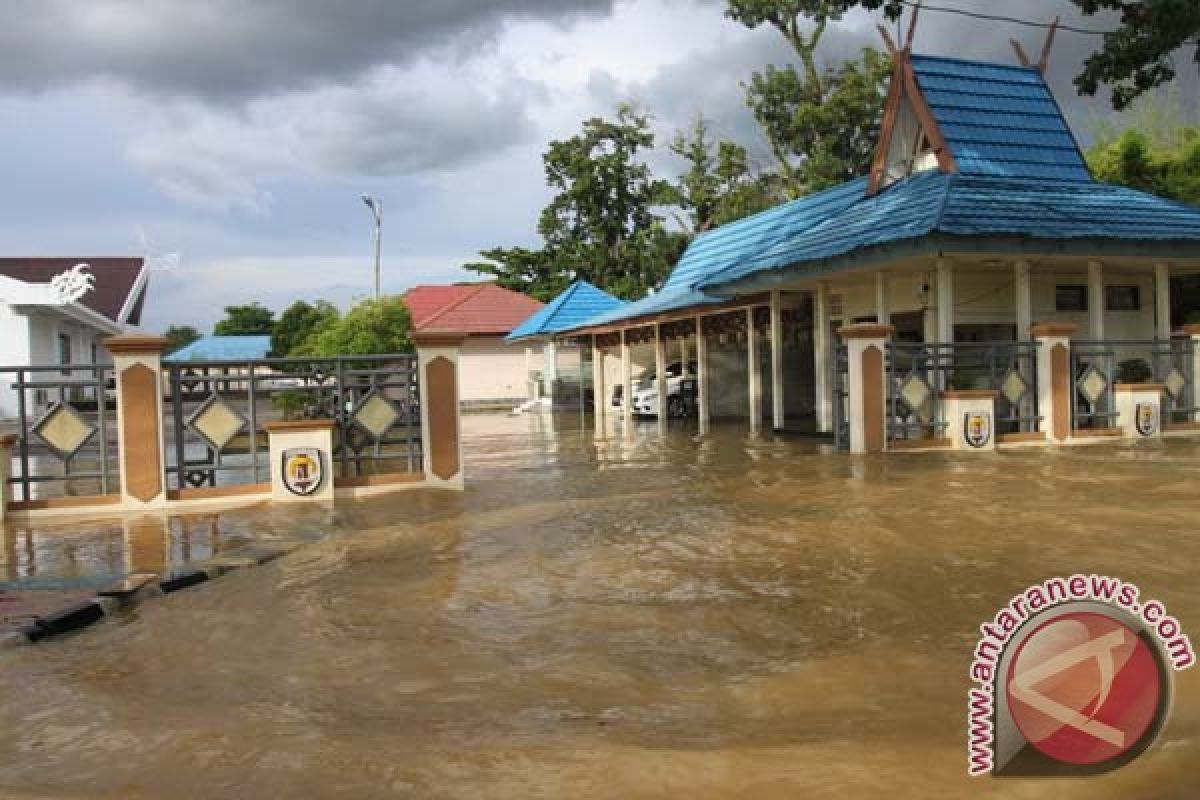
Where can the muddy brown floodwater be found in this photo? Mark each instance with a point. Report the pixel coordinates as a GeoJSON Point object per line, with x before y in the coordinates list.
{"type": "Point", "coordinates": [679, 618]}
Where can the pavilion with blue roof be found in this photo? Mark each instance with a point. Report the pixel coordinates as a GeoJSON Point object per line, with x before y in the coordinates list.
{"type": "Point", "coordinates": [561, 377]}
{"type": "Point", "coordinates": [978, 218]}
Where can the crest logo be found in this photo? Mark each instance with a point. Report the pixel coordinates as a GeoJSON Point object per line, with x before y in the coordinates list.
{"type": "Point", "coordinates": [1146, 418]}
{"type": "Point", "coordinates": [977, 428]}
{"type": "Point", "coordinates": [303, 470]}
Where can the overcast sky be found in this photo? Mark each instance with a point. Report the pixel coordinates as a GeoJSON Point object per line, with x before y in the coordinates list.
{"type": "Point", "coordinates": [240, 134]}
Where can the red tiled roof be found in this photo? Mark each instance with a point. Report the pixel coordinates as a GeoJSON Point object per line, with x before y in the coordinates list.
{"type": "Point", "coordinates": [116, 280]}
{"type": "Point", "coordinates": [479, 308]}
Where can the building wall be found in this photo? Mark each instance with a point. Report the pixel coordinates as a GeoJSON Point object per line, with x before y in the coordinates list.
{"type": "Point", "coordinates": [988, 297]}
{"type": "Point", "coordinates": [493, 372]}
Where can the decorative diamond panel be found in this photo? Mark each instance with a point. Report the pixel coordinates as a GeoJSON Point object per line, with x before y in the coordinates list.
{"type": "Point", "coordinates": [376, 415]}
{"type": "Point", "coordinates": [64, 430]}
{"type": "Point", "coordinates": [916, 394]}
{"type": "Point", "coordinates": [1014, 387]}
{"type": "Point", "coordinates": [1093, 385]}
{"type": "Point", "coordinates": [1176, 383]}
{"type": "Point", "coordinates": [217, 423]}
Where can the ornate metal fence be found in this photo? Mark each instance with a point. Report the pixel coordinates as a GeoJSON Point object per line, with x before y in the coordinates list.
{"type": "Point", "coordinates": [1173, 364]}
{"type": "Point", "coordinates": [1098, 366]}
{"type": "Point", "coordinates": [917, 373]}
{"type": "Point", "coordinates": [839, 387]}
{"type": "Point", "coordinates": [65, 423]}
{"type": "Point", "coordinates": [1093, 373]}
{"type": "Point", "coordinates": [218, 409]}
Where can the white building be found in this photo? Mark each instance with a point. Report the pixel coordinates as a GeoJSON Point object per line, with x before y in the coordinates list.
{"type": "Point", "coordinates": [54, 311]}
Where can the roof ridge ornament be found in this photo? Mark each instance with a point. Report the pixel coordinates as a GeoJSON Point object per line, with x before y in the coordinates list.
{"type": "Point", "coordinates": [70, 286]}
{"type": "Point", "coordinates": [1047, 46]}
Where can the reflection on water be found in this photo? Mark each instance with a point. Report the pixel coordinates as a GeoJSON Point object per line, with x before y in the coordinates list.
{"type": "Point", "coordinates": [722, 618]}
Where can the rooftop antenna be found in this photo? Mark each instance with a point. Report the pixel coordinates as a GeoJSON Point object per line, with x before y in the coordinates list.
{"type": "Point", "coordinates": [1045, 59]}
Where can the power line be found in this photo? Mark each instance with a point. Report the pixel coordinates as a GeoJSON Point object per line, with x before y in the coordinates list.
{"type": "Point", "coordinates": [1001, 18]}
{"type": "Point", "coordinates": [1015, 20]}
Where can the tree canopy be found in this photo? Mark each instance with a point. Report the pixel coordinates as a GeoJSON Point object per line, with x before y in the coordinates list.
{"type": "Point", "coordinates": [602, 225]}
{"type": "Point", "coordinates": [245, 320]}
{"type": "Point", "coordinates": [180, 336]}
{"type": "Point", "coordinates": [373, 327]}
{"type": "Point", "coordinates": [1139, 54]}
{"type": "Point", "coordinates": [299, 322]}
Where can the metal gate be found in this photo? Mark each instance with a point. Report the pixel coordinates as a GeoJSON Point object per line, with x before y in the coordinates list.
{"type": "Point", "coordinates": [839, 387]}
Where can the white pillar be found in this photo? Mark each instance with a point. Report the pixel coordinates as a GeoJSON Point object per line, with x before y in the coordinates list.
{"type": "Point", "coordinates": [1023, 289]}
{"type": "Point", "coordinates": [1162, 301]}
{"type": "Point", "coordinates": [549, 368]}
{"type": "Point", "coordinates": [945, 302]}
{"type": "Point", "coordinates": [701, 376]}
{"type": "Point", "coordinates": [822, 358]}
{"type": "Point", "coordinates": [599, 396]}
{"type": "Point", "coordinates": [777, 360]}
{"type": "Point", "coordinates": [1095, 301]}
{"type": "Point", "coordinates": [753, 374]}
{"type": "Point", "coordinates": [660, 377]}
{"type": "Point", "coordinates": [626, 384]}
{"type": "Point", "coordinates": [882, 315]}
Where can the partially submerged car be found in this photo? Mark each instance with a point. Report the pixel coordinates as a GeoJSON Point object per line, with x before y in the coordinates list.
{"type": "Point", "coordinates": [680, 384]}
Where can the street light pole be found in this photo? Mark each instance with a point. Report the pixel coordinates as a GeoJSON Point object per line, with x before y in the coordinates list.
{"type": "Point", "coordinates": [376, 207]}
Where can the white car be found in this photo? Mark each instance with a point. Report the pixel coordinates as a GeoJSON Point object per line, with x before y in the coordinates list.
{"type": "Point", "coordinates": [645, 393]}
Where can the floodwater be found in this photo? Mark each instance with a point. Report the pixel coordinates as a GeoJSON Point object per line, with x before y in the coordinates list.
{"type": "Point", "coordinates": [681, 618]}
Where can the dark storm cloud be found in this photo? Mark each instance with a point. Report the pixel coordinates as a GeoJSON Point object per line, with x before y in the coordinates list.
{"type": "Point", "coordinates": [240, 48]}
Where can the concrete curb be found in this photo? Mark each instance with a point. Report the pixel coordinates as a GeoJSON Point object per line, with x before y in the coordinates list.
{"type": "Point", "coordinates": [134, 589]}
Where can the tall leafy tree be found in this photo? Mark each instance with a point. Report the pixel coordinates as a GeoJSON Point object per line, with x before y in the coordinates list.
{"type": "Point", "coordinates": [603, 223]}
{"type": "Point", "coordinates": [719, 185]}
{"type": "Point", "coordinates": [245, 320]}
{"type": "Point", "coordinates": [298, 322]}
{"type": "Point", "coordinates": [180, 336]}
{"type": "Point", "coordinates": [821, 123]}
{"type": "Point", "coordinates": [1140, 54]}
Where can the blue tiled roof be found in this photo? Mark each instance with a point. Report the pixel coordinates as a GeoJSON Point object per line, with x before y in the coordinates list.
{"type": "Point", "coordinates": [669, 299]}
{"type": "Point", "coordinates": [576, 303]}
{"type": "Point", "coordinates": [999, 120]}
{"type": "Point", "coordinates": [723, 247]}
{"type": "Point", "coordinates": [977, 206]}
{"type": "Point", "coordinates": [223, 348]}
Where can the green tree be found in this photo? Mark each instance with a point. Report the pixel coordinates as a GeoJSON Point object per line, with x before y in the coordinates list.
{"type": "Point", "coordinates": [532, 272]}
{"type": "Point", "coordinates": [300, 321]}
{"type": "Point", "coordinates": [180, 336]}
{"type": "Point", "coordinates": [245, 320]}
{"type": "Point", "coordinates": [373, 327]}
{"type": "Point", "coordinates": [603, 223]}
{"type": "Point", "coordinates": [718, 186]}
{"type": "Point", "coordinates": [820, 123]}
{"type": "Point", "coordinates": [1139, 54]}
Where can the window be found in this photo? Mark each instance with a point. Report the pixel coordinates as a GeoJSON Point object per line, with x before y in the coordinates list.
{"type": "Point", "coordinates": [64, 350]}
{"type": "Point", "coordinates": [95, 354]}
{"type": "Point", "coordinates": [1070, 298]}
{"type": "Point", "coordinates": [1122, 298]}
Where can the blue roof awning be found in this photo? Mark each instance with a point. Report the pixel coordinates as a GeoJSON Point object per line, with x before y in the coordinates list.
{"type": "Point", "coordinates": [223, 348]}
{"type": "Point", "coordinates": [575, 304]}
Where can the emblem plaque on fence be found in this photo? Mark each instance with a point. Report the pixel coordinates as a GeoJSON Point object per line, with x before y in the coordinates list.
{"type": "Point", "coordinates": [1146, 418]}
{"type": "Point", "coordinates": [977, 428]}
{"type": "Point", "coordinates": [303, 470]}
